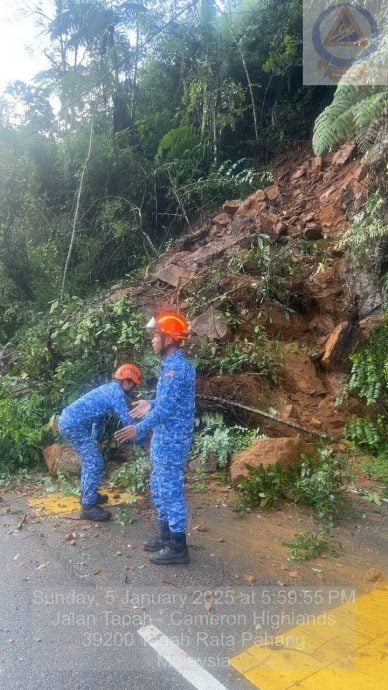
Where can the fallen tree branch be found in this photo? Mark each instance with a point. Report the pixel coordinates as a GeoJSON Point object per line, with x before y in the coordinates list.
{"type": "Point", "coordinates": [294, 425]}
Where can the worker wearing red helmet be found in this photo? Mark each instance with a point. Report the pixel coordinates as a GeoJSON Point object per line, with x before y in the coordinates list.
{"type": "Point", "coordinates": [81, 425]}
{"type": "Point", "coordinates": [170, 418]}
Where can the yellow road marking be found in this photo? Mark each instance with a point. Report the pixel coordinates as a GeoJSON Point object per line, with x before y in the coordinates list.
{"type": "Point", "coordinates": [57, 504]}
{"type": "Point", "coordinates": [349, 651]}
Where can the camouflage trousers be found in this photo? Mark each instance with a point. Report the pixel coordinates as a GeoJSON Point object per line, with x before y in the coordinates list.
{"type": "Point", "coordinates": [92, 460]}
{"type": "Point", "coordinates": [167, 491]}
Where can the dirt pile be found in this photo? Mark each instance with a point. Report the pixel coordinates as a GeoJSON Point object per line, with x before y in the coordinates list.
{"type": "Point", "coordinates": [305, 210]}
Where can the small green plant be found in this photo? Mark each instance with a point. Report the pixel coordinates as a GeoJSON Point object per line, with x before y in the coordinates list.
{"type": "Point", "coordinates": [68, 484]}
{"type": "Point", "coordinates": [372, 496]}
{"type": "Point", "coordinates": [306, 546]}
{"type": "Point", "coordinates": [263, 488]}
{"type": "Point", "coordinates": [369, 376]}
{"type": "Point", "coordinates": [133, 476]}
{"type": "Point", "coordinates": [371, 436]}
{"type": "Point", "coordinates": [377, 468]}
{"type": "Point", "coordinates": [257, 354]}
{"type": "Point", "coordinates": [367, 238]}
{"type": "Point", "coordinates": [199, 482]}
{"type": "Point", "coordinates": [219, 440]}
{"type": "Point", "coordinates": [319, 484]}
{"type": "Point", "coordinates": [206, 289]}
{"type": "Point", "coordinates": [124, 516]}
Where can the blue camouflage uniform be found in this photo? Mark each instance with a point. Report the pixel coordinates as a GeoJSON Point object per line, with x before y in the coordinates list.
{"type": "Point", "coordinates": [172, 421]}
{"type": "Point", "coordinates": [81, 425]}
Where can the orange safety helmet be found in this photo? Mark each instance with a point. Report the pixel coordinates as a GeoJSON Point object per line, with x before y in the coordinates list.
{"type": "Point", "coordinates": [128, 371]}
{"type": "Point", "coordinates": [170, 323]}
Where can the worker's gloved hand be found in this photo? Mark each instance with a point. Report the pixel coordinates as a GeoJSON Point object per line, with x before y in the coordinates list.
{"type": "Point", "coordinates": [140, 408]}
{"type": "Point", "coordinates": [128, 433]}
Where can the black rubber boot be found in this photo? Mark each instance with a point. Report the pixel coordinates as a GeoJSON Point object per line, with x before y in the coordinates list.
{"type": "Point", "coordinates": [175, 552]}
{"type": "Point", "coordinates": [94, 513]}
{"type": "Point", "coordinates": [161, 540]}
{"type": "Point", "coordinates": [102, 498]}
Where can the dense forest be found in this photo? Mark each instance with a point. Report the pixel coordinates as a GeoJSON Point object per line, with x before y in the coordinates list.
{"type": "Point", "coordinates": [149, 115]}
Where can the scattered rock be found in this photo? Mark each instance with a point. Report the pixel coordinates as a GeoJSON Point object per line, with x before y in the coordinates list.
{"type": "Point", "coordinates": [340, 344]}
{"type": "Point", "coordinates": [267, 452]}
{"type": "Point", "coordinates": [373, 575]}
{"type": "Point", "coordinates": [267, 221]}
{"type": "Point", "coordinates": [272, 193]}
{"type": "Point", "coordinates": [344, 153]}
{"type": "Point", "coordinates": [222, 219]}
{"type": "Point", "coordinates": [249, 206]}
{"type": "Point", "coordinates": [331, 215]}
{"type": "Point", "coordinates": [231, 206]}
{"type": "Point", "coordinates": [300, 172]}
{"type": "Point", "coordinates": [250, 579]}
{"type": "Point", "coordinates": [313, 232]}
{"type": "Point", "coordinates": [280, 229]}
{"type": "Point", "coordinates": [201, 527]}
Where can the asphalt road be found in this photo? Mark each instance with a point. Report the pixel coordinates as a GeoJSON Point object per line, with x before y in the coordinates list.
{"type": "Point", "coordinates": [71, 614]}
{"type": "Point", "coordinates": [83, 608]}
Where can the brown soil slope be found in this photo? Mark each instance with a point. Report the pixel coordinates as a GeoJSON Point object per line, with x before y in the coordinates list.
{"type": "Point", "coordinates": [305, 209]}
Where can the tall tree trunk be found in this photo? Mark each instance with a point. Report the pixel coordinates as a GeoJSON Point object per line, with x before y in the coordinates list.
{"type": "Point", "coordinates": [80, 188]}
{"type": "Point", "coordinates": [250, 85]}
{"type": "Point", "coordinates": [135, 69]}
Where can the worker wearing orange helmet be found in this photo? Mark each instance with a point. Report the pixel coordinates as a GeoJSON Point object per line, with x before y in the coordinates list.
{"type": "Point", "coordinates": [170, 418]}
{"type": "Point", "coordinates": [81, 425]}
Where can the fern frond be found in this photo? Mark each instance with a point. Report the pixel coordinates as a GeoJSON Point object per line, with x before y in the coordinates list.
{"type": "Point", "coordinates": [336, 122]}
{"type": "Point", "coordinates": [371, 109]}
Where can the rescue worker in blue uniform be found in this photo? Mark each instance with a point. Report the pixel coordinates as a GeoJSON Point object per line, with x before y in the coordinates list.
{"type": "Point", "coordinates": [170, 416]}
{"type": "Point", "coordinates": [81, 425]}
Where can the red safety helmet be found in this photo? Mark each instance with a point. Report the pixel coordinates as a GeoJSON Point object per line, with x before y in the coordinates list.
{"type": "Point", "coordinates": [128, 371]}
{"type": "Point", "coordinates": [170, 323]}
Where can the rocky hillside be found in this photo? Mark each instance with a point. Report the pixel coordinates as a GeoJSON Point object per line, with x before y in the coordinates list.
{"type": "Point", "coordinates": [328, 309]}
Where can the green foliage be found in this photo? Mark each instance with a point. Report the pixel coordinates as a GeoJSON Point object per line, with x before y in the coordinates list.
{"type": "Point", "coordinates": [133, 476]}
{"type": "Point", "coordinates": [23, 427]}
{"type": "Point", "coordinates": [371, 436]}
{"type": "Point", "coordinates": [217, 439]}
{"type": "Point", "coordinates": [306, 546]}
{"type": "Point", "coordinates": [367, 238]}
{"type": "Point", "coordinates": [358, 112]}
{"type": "Point", "coordinates": [315, 481]}
{"type": "Point", "coordinates": [71, 350]}
{"type": "Point", "coordinates": [258, 355]}
{"type": "Point", "coordinates": [377, 468]}
{"type": "Point", "coordinates": [369, 377]}
{"type": "Point", "coordinates": [263, 487]}
{"type": "Point", "coordinates": [320, 485]}
{"type": "Point", "coordinates": [177, 144]}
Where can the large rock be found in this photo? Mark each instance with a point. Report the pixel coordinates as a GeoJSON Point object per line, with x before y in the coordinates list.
{"type": "Point", "coordinates": [331, 215]}
{"type": "Point", "coordinates": [211, 323]}
{"type": "Point", "coordinates": [231, 206]}
{"type": "Point", "coordinates": [267, 452]}
{"type": "Point", "coordinates": [222, 219]}
{"type": "Point", "coordinates": [344, 153]}
{"type": "Point", "coordinates": [177, 276]}
{"type": "Point", "coordinates": [59, 458]}
{"type": "Point", "coordinates": [272, 193]}
{"type": "Point", "coordinates": [340, 345]}
{"type": "Point", "coordinates": [299, 375]}
{"type": "Point", "coordinates": [249, 206]}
